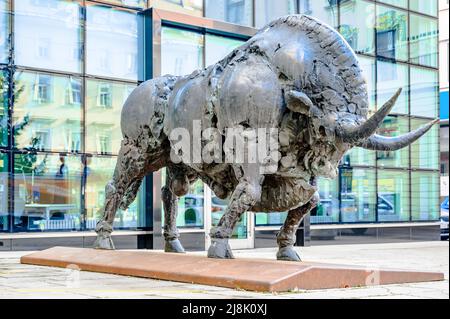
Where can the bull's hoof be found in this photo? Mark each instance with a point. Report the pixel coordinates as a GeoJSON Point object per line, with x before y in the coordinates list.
{"type": "Point", "coordinates": [173, 246]}
{"type": "Point", "coordinates": [288, 254]}
{"type": "Point", "coordinates": [220, 248]}
{"type": "Point", "coordinates": [104, 241]}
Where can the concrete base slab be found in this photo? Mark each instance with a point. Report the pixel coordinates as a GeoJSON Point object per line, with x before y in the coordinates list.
{"type": "Point", "coordinates": [249, 274]}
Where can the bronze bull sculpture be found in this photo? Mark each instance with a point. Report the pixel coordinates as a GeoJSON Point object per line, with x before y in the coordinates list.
{"type": "Point", "coordinates": [296, 75]}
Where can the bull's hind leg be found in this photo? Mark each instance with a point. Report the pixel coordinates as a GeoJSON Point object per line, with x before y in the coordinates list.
{"type": "Point", "coordinates": [244, 197]}
{"type": "Point", "coordinates": [170, 203]}
{"type": "Point", "coordinates": [131, 167]}
{"type": "Point", "coordinates": [286, 236]}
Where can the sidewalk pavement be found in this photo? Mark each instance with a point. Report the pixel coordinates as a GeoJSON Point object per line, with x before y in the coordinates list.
{"type": "Point", "coordinates": [25, 281]}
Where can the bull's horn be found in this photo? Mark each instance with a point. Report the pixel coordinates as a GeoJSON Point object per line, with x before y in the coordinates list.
{"type": "Point", "coordinates": [352, 134]}
{"type": "Point", "coordinates": [383, 143]}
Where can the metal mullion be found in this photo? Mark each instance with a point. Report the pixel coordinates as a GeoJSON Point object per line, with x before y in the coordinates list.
{"type": "Point", "coordinates": [83, 181]}
{"type": "Point", "coordinates": [377, 220]}
{"type": "Point", "coordinates": [10, 70]}
{"type": "Point", "coordinates": [409, 115]}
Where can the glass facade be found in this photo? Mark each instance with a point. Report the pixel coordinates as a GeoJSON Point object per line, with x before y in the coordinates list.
{"type": "Point", "coordinates": [65, 79]}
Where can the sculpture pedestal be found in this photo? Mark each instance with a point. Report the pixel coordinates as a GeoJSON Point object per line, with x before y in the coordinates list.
{"type": "Point", "coordinates": [248, 274]}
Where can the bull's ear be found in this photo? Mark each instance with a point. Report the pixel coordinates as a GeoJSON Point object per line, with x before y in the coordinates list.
{"type": "Point", "coordinates": [299, 102]}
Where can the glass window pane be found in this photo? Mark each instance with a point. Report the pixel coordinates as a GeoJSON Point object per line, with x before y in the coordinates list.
{"type": "Point", "coordinates": [4, 226]}
{"type": "Point", "coordinates": [358, 195]}
{"type": "Point", "coordinates": [99, 171]}
{"type": "Point", "coordinates": [393, 196]}
{"type": "Point", "coordinates": [104, 101]}
{"type": "Point", "coordinates": [357, 25]}
{"type": "Point", "coordinates": [216, 48]}
{"type": "Point", "coordinates": [425, 151]}
{"type": "Point", "coordinates": [4, 105]}
{"type": "Point", "coordinates": [47, 192]}
{"type": "Point", "coordinates": [48, 34]}
{"type": "Point", "coordinates": [394, 126]}
{"type": "Point", "coordinates": [328, 209]}
{"type": "Point", "coordinates": [270, 219]}
{"type": "Point", "coordinates": [425, 196]}
{"type": "Point", "coordinates": [428, 7]}
{"type": "Point", "coordinates": [398, 3]}
{"type": "Point", "coordinates": [391, 77]}
{"type": "Point", "coordinates": [129, 3]}
{"type": "Point", "coordinates": [218, 207]}
{"type": "Point", "coordinates": [359, 156]}
{"type": "Point", "coordinates": [324, 10]}
{"type": "Point", "coordinates": [48, 112]}
{"type": "Point", "coordinates": [268, 10]}
{"type": "Point", "coordinates": [192, 7]}
{"type": "Point", "coordinates": [112, 42]}
{"type": "Point", "coordinates": [424, 40]}
{"type": "Point", "coordinates": [4, 30]}
{"type": "Point", "coordinates": [233, 11]}
{"type": "Point", "coordinates": [368, 67]}
{"type": "Point", "coordinates": [424, 92]}
{"type": "Point", "coordinates": [191, 206]}
{"type": "Point", "coordinates": [181, 51]}
{"type": "Point", "coordinates": [392, 33]}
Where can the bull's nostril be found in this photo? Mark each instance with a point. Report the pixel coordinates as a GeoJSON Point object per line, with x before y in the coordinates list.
{"type": "Point", "coordinates": [322, 131]}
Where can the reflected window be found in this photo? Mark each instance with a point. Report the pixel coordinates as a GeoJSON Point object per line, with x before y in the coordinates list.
{"type": "Point", "coordinates": [98, 172]}
{"type": "Point", "coordinates": [327, 211]}
{"type": "Point", "coordinates": [104, 102]}
{"type": "Point", "coordinates": [192, 7]}
{"type": "Point", "coordinates": [73, 92]}
{"type": "Point", "coordinates": [216, 48]}
{"type": "Point", "coordinates": [394, 126]}
{"type": "Point", "coordinates": [393, 196]}
{"type": "Point", "coordinates": [425, 196]}
{"type": "Point", "coordinates": [47, 117]}
{"type": "Point", "coordinates": [357, 25]}
{"type": "Point", "coordinates": [111, 42]}
{"type": "Point", "coordinates": [181, 51]}
{"type": "Point", "coordinates": [4, 30]}
{"type": "Point", "coordinates": [424, 92]}
{"type": "Point", "coordinates": [233, 11]}
{"type": "Point", "coordinates": [4, 211]}
{"type": "Point", "coordinates": [425, 151]}
{"type": "Point", "coordinates": [47, 33]}
{"type": "Point", "coordinates": [358, 195]}
{"type": "Point", "coordinates": [391, 77]}
{"type": "Point", "coordinates": [392, 33]}
{"type": "Point", "coordinates": [324, 10]}
{"type": "Point", "coordinates": [47, 192]}
{"type": "Point", "coordinates": [269, 10]}
{"type": "Point", "coordinates": [424, 40]}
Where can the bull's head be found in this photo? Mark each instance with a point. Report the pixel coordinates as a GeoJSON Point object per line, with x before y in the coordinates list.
{"type": "Point", "coordinates": [328, 89]}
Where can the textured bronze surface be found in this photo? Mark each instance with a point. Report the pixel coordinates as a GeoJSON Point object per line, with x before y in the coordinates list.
{"type": "Point", "coordinates": [249, 274]}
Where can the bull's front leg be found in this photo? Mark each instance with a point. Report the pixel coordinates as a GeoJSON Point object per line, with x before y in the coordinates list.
{"type": "Point", "coordinates": [286, 237]}
{"type": "Point", "coordinates": [246, 194]}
